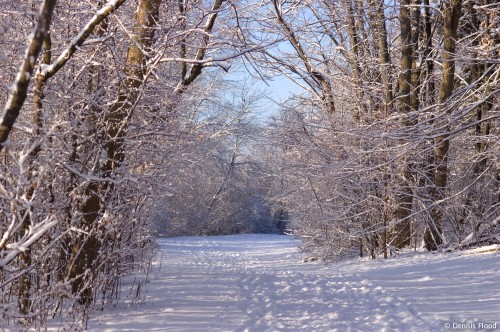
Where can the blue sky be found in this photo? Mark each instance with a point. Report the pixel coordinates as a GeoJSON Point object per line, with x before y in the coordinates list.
{"type": "Point", "coordinates": [277, 90]}
{"type": "Point", "coordinates": [281, 88]}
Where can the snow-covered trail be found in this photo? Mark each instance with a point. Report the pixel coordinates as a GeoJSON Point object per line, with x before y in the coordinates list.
{"type": "Point", "coordinates": [259, 283]}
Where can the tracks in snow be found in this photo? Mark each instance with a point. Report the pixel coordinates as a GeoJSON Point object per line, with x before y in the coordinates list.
{"type": "Point", "coordinates": [258, 283]}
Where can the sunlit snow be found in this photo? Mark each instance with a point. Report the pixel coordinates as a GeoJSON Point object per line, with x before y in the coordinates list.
{"type": "Point", "coordinates": [260, 283]}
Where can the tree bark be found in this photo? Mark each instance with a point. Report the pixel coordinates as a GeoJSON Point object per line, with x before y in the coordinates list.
{"type": "Point", "coordinates": [384, 57]}
{"type": "Point", "coordinates": [84, 254]}
{"type": "Point", "coordinates": [452, 11]}
{"type": "Point", "coordinates": [401, 232]}
{"type": "Point", "coordinates": [354, 56]}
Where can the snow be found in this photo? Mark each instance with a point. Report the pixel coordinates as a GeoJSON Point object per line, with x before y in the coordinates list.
{"type": "Point", "coordinates": [260, 283]}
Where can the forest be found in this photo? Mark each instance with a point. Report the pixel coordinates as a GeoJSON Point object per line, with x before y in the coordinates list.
{"type": "Point", "coordinates": [124, 120]}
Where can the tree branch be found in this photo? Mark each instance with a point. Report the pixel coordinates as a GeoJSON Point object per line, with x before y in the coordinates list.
{"type": "Point", "coordinates": [20, 86]}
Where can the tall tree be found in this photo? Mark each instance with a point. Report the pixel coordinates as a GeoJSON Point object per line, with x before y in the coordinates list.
{"type": "Point", "coordinates": [404, 197]}
{"type": "Point", "coordinates": [85, 253]}
{"type": "Point", "coordinates": [452, 12]}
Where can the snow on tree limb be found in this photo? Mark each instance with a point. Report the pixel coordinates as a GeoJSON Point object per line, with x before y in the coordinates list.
{"type": "Point", "coordinates": [81, 37]}
{"type": "Point", "coordinates": [36, 232]}
{"type": "Point", "coordinates": [202, 49]}
{"type": "Point", "coordinates": [20, 86]}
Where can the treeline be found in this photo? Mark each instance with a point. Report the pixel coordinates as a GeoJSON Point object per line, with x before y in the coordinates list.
{"type": "Point", "coordinates": [99, 102]}
{"type": "Point", "coordinates": [218, 181]}
{"type": "Point", "coordinates": [398, 146]}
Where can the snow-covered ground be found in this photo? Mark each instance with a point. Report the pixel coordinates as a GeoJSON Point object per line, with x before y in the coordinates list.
{"type": "Point", "coordinates": [260, 283]}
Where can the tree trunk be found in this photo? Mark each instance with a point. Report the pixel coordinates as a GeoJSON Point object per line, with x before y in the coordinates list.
{"type": "Point", "coordinates": [85, 253]}
{"type": "Point", "coordinates": [401, 232]}
{"type": "Point", "coordinates": [26, 260]}
{"type": "Point", "coordinates": [384, 57]}
{"type": "Point", "coordinates": [433, 237]}
{"type": "Point", "coordinates": [354, 56]}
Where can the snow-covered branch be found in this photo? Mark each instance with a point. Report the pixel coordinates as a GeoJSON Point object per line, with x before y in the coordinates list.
{"type": "Point", "coordinates": [18, 91]}
{"type": "Point", "coordinates": [50, 70]}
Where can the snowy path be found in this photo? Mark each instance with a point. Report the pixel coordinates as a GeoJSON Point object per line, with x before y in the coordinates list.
{"type": "Point", "coordinates": [258, 283]}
